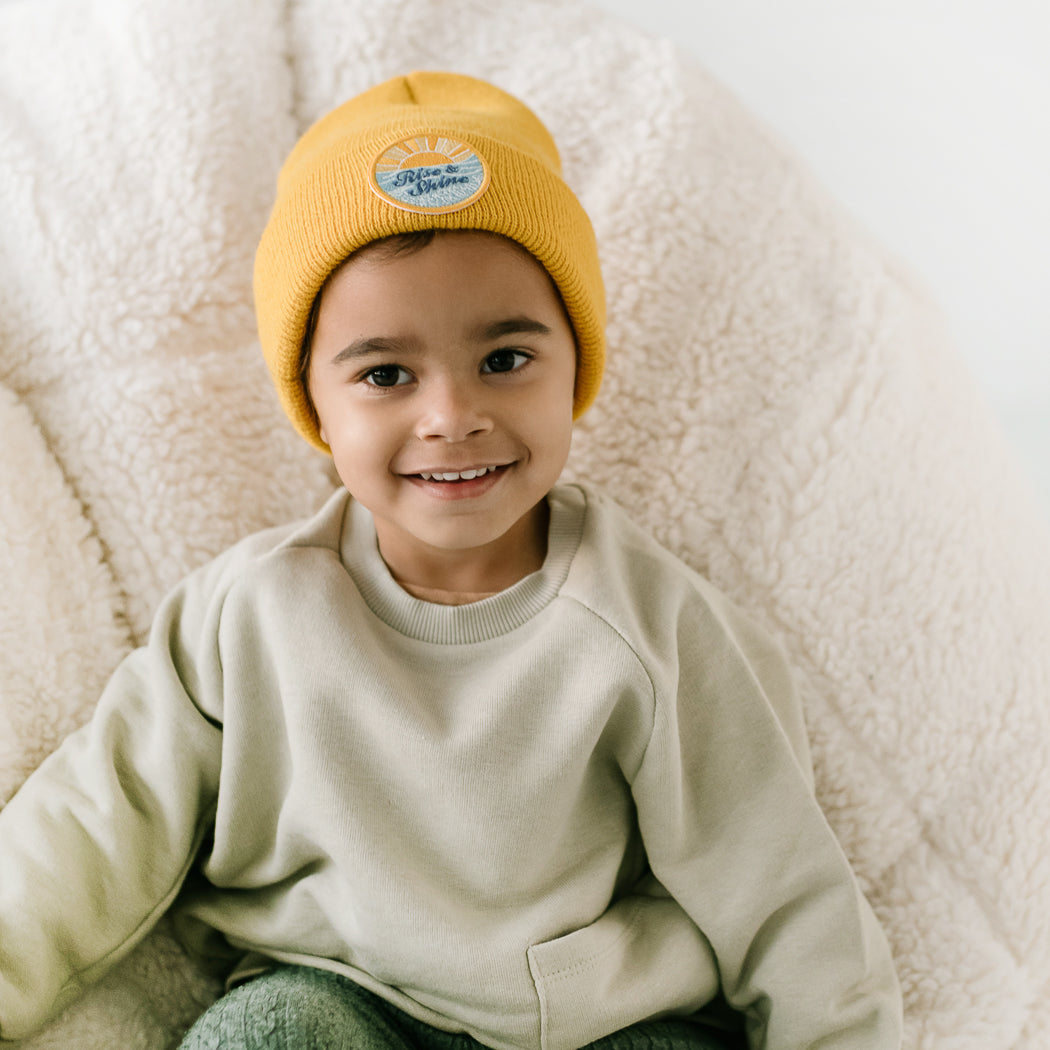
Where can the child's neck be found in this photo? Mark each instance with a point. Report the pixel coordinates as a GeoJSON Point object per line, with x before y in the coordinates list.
{"type": "Point", "coordinates": [458, 577]}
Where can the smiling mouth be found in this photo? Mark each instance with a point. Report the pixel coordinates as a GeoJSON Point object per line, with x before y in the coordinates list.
{"type": "Point", "coordinates": [459, 475]}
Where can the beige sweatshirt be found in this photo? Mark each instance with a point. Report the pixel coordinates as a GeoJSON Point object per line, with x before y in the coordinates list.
{"type": "Point", "coordinates": [537, 818]}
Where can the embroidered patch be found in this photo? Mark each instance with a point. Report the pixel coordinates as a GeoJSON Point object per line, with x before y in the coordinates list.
{"type": "Point", "coordinates": [432, 174]}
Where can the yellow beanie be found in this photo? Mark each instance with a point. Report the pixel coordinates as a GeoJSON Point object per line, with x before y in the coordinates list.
{"type": "Point", "coordinates": [425, 151]}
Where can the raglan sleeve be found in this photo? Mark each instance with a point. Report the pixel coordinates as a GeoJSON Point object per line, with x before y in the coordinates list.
{"type": "Point", "coordinates": [734, 832]}
{"type": "Point", "coordinates": [97, 842]}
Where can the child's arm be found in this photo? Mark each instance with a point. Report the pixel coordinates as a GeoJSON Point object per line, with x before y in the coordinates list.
{"type": "Point", "coordinates": [734, 833]}
{"type": "Point", "coordinates": [96, 844]}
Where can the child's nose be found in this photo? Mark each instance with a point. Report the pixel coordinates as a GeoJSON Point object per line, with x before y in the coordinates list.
{"type": "Point", "coordinates": [453, 412]}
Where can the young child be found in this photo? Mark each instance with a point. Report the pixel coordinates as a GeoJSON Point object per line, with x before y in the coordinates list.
{"type": "Point", "coordinates": [467, 758]}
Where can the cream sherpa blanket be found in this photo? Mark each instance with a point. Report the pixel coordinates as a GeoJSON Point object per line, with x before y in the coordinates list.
{"type": "Point", "coordinates": [781, 408]}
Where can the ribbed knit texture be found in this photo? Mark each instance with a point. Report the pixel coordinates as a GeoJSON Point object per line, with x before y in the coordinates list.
{"type": "Point", "coordinates": [327, 207]}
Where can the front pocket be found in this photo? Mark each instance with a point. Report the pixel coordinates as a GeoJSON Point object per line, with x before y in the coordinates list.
{"type": "Point", "coordinates": [642, 958]}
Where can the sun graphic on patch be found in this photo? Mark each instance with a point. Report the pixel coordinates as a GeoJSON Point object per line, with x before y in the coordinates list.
{"type": "Point", "coordinates": [432, 174]}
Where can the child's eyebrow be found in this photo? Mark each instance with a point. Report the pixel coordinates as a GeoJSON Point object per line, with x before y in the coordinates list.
{"type": "Point", "coordinates": [513, 326]}
{"type": "Point", "coordinates": [365, 347]}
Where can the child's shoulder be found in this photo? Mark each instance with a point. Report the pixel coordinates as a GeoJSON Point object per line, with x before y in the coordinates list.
{"type": "Point", "coordinates": [677, 623]}
{"type": "Point", "coordinates": [622, 571]}
{"type": "Point", "coordinates": [626, 576]}
{"type": "Point", "coordinates": [615, 547]}
{"type": "Point", "coordinates": [320, 531]}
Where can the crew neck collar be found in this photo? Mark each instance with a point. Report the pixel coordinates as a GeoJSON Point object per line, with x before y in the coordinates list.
{"type": "Point", "coordinates": [477, 621]}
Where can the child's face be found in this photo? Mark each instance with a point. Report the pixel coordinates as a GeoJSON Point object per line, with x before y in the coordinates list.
{"type": "Point", "coordinates": [454, 359]}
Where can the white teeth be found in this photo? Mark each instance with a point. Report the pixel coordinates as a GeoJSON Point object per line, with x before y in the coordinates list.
{"type": "Point", "coordinates": [462, 475]}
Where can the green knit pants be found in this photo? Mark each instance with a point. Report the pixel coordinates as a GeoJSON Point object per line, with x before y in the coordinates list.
{"type": "Point", "coordinates": [302, 1008]}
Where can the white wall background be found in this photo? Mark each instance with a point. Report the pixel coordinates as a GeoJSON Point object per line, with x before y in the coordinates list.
{"type": "Point", "coordinates": [930, 121]}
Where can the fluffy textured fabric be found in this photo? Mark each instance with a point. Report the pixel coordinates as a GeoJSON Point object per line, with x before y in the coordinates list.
{"type": "Point", "coordinates": [780, 407]}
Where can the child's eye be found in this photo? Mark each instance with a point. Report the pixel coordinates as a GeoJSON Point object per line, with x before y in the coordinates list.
{"type": "Point", "coordinates": [505, 361]}
{"type": "Point", "coordinates": [386, 376]}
